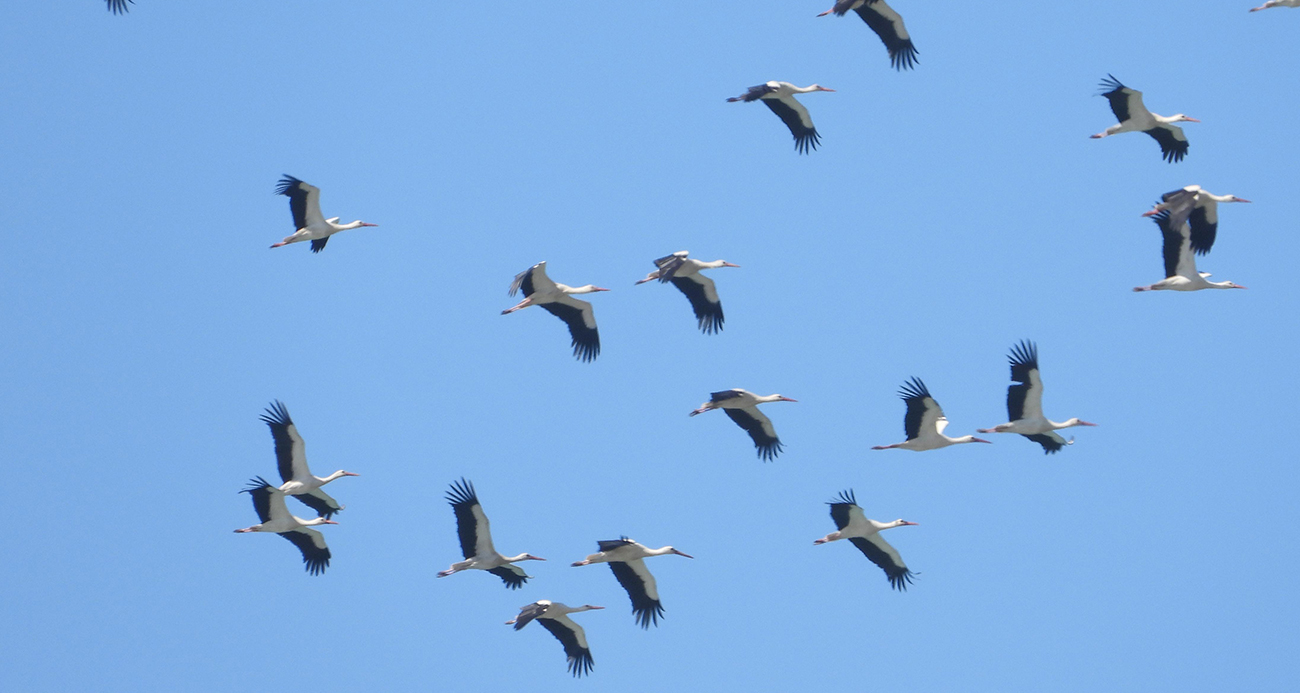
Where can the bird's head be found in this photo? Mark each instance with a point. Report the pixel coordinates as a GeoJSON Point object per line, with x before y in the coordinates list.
{"type": "Point", "coordinates": [783, 398]}
{"type": "Point", "coordinates": [679, 553]}
{"type": "Point", "coordinates": [1079, 422]}
{"type": "Point", "coordinates": [1183, 118]}
{"type": "Point", "coordinates": [320, 521]}
{"type": "Point", "coordinates": [530, 557]}
{"type": "Point", "coordinates": [1230, 286]}
{"type": "Point", "coordinates": [729, 264]}
{"type": "Point", "coordinates": [588, 289]}
{"type": "Point", "coordinates": [1234, 198]}
{"type": "Point", "coordinates": [902, 523]}
{"type": "Point", "coordinates": [588, 607]}
{"type": "Point", "coordinates": [818, 87]}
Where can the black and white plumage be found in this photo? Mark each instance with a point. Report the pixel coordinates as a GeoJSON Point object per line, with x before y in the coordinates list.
{"type": "Point", "coordinates": [741, 406]}
{"type": "Point", "coordinates": [1133, 116]}
{"type": "Point", "coordinates": [291, 459]}
{"type": "Point", "coordinates": [557, 300]}
{"type": "Point", "coordinates": [887, 24]}
{"type": "Point", "coordinates": [1201, 210]}
{"type": "Point", "coordinates": [624, 557]}
{"type": "Point", "coordinates": [924, 421]}
{"type": "Point", "coordinates": [1180, 261]}
{"type": "Point", "coordinates": [119, 6]}
{"type": "Point", "coordinates": [684, 273]}
{"type": "Point", "coordinates": [553, 616]}
{"type": "Point", "coordinates": [475, 534]}
{"type": "Point", "coordinates": [852, 524]}
{"type": "Point", "coordinates": [1025, 403]}
{"type": "Point", "coordinates": [308, 222]}
{"type": "Point", "coordinates": [779, 96]}
{"type": "Point", "coordinates": [1276, 3]}
{"type": "Point", "coordinates": [268, 502]}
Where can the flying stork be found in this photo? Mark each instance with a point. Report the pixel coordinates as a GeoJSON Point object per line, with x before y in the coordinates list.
{"type": "Point", "coordinates": [1134, 117]}
{"type": "Point", "coordinates": [887, 24]}
{"type": "Point", "coordinates": [779, 96]}
{"type": "Point", "coordinates": [924, 422]}
{"type": "Point", "coordinates": [684, 273]}
{"type": "Point", "coordinates": [557, 299]}
{"type": "Point", "coordinates": [476, 540]}
{"type": "Point", "coordinates": [1203, 214]}
{"type": "Point", "coordinates": [268, 501]}
{"type": "Point", "coordinates": [1180, 261]}
{"type": "Point", "coordinates": [1025, 403]}
{"type": "Point", "coordinates": [119, 6]}
{"type": "Point", "coordinates": [624, 559]}
{"type": "Point", "coordinates": [852, 524]}
{"type": "Point", "coordinates": [554, 617]}
{"type": "Point", "coordinates": [291, 458]}
{"type": "Point", "coordinates": [308, 223]}
{"type": "Point", "coordinates": [1276, 3]}
{"type": "Point", "coordinates": [742, 407]}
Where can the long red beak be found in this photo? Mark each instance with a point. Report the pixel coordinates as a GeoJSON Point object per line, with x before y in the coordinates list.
{"type": "Point", "coordinates": [370, 224]}
{"type": "Point", "coordinates": [787, 399]}
{"type": "Point", "coordinates": [680, 553]}
{"type": "Point", "coordinates": [1152, 213]}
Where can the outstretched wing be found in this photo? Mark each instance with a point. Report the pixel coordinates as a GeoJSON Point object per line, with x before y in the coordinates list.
{"type": "Point", "coordinates": [760, 429]}
{"type": "Point", "coordinates": [878, 551]}
{"type": "Point", "coordinates": [703, 295]}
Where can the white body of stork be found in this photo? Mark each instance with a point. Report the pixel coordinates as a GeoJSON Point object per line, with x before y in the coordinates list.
{"type": "Point", "coordinates": [924, 422]}
{"type": "Point", "coordinates": [557, 300]}
{"type": "Point", "coordinates": [684, 273]}
{"type": "Point", "coordinates": [624, 558]}
{"type": "Point", "coordinates": [887, 24]}
{"type": "Point", "coordinates": [1025, 403]}
{"type": "Point", "coordinates": [1180, 260]}
{"type": "Point", "coordinates": [554, 617]}
{"type": "Point", "coordinates": [268, 502]}
{"type": "Point", "coordinates": [291, 458]}
{"type": "Point", "coordinates": [119, 6]}
{"type": "Point", "coordinates": [309, 224]}
{"type": "Point", "coordinates": [476, 540]}
{"type": "Point", "coordinates": [852, 524]}
{"type": "Point", "coordinates": [741, 406]}
{"type": "Point", "coordinates": [1133, 116]}
{"type": "Point", "coordinates": [779, 96]}
{"type": "Point", "coordinates": [1202, 215]}
{"type": "Point", "coordinates": [1276, 3]}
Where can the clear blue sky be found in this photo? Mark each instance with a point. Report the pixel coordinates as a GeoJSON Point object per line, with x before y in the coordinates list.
{"type": "Point", "coordinates": [949, 212]}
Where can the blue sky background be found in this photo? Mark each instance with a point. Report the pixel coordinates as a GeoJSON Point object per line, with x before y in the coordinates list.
{"type": "Point", "coordinates": [950, 212]}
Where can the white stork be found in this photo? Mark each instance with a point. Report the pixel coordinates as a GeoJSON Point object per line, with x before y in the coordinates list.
{"type": "Point", "coordinates": [119, 6]}
{"type": "Point", "coordinates": [291, 458]}
{"type": "Point", "coordinates": [1134, 117]}
{"type": "Point", "coordinates": [684, 273]}
{"type": "Point", "coordinates": [887, 24]}
{"type": "Point", "coordinates": [852, 524]}
{"type": "Point", "coordinates": [268, 501]}
{"type": "Point", "coordinates": [308, 223]}
{"type": "Point", "coordinates": [1025, 403]}
{"type": "Point", "coordinates": [476, 540]}
{"type": "Point", "coordinates": [779, 96]}
{"type": "Point", "coordinates": [624, 558]}
{"type": "Point", "coordinates": [1276, 3]}
{"type": "Point", "coordinates": [557, 299]}
{"type": "Point", "coordinates": [554, 617]}
{"type": "Point", "coordinates": [1203, 214]}
{"type": "Point", "coordinates": [924, 422]}
{"type": "Point", "coordinates": [1180, 260]}
{"type": "Point", "coordinates": [742, 407]}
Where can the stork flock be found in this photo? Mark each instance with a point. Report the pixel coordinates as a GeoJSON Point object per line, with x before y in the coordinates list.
{"type": "Point", "coordinates": [1187, 219]}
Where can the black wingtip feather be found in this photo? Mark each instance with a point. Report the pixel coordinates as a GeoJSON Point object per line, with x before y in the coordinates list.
{"type": "Point", "coordinates": [913, 389]}
{"type": "Point", "coordinates": [286, 184]}
{"type": "Point", "coordinates": [1110, 84]}
{"type": "Point", "coordinates": [462, 493]}
{"type": "Point", "coordinates": [845, 496]}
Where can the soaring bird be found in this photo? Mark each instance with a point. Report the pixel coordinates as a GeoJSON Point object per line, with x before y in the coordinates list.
{"type": "Point", "coordinates": [557, 299]}
{"type": "Point", "coordinates": [742, 407]}
{"type": "Point", "coordinates": [119, 6]}
{"type": "Point", "coordinates": [1134, 117]}
{"type": "Point", "coordinates": [924, 422]}
{"type": "Point", "coordinates": [779, 96]}
{"type": "Point", "coordinates": [1276, 3]}
{"type": "Point", "coordinates": [476, 540]}
{"type": "Point", "coordinates": [624, 559]}
{"type": "Point", "coordinates": [554, 617]}
{"type": "Point", "coordinates": [268, 501]}
{"type": "Point", "coordinates": [291, 458]}
{"type": "Point", "coordinates": [852, 524]}
{"type": "Point", "coordinates": [684, 273]}
{"type": "Point", "coordinates": [1201, 208]}
{"type": "Point", "coordinates": [1180, 261]}
{"type": "Point", "coordinates": [1025, 403]}
{"type": "Point", "coordinates": [308, 223]}
{"type": "Point", "coordinates": [887, 24]}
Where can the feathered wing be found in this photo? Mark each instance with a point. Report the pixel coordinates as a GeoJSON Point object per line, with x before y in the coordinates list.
{"type": "Point", "coordinates": [641, 588]}
{"type": "Point", "coordinates": [703, 295]}
{"type": "Point", "coordinates": [574, 640]}
{"type": "Point", "coordinates": [760, 429]}
{"type": "Point", "coordinates": [888, 25]}
{"type": "Point", "coordinates": [795, 117]}
{"type": "Point", "coordinates": [878, 551]}
{"type": "Point", "coordinates": [581, 319]}
{"type": "Point", "coordinates": [315, 554]}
